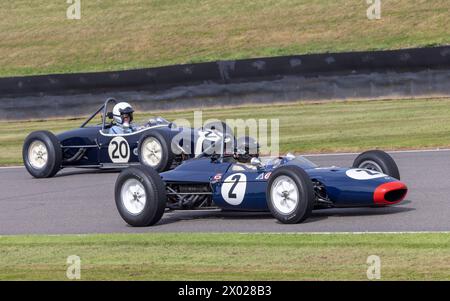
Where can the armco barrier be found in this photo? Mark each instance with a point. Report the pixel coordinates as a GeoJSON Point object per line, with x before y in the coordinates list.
{"type": "Point", "coordinates": [406, 72]}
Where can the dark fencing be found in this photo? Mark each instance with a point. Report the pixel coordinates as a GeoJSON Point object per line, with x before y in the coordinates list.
{"type": "Point", "coordinates": [231, 71]}
{"type": "Point", "coordinates": [371, 74]}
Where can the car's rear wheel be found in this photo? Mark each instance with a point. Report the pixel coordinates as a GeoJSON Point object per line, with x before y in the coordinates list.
{"type": "Point", "coordinates": [290, 194]}
{"type": "Point", "coordinates": [154, 151]}
{"type": "Point", "coordinates": [140, 196]}
{"type": "Point", "coordinates": [42, 154]}
{"type": "Point", "coordinates": [379, 161]}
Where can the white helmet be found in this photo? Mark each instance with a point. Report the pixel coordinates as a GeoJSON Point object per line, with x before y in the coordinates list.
{"type": "Point", "coordinates": [121, 109]}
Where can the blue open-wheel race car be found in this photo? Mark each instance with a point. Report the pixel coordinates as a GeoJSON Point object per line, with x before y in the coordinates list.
{"type": "Point", "coordinates": [97, 146]}
{"type": "Point", "coordinates": [290, 187]}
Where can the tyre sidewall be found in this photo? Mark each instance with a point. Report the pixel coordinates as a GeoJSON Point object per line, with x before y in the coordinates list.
{"type": "Point", "coordinates": [54, 154]}
{"type": "Point", "coordinates": [154, 191]}
{"type": "Point", "coordinates": [384, 160]}
{"type": "Point", "coordinates": [166, 157]}
{"type": "Point", "coordinates": [305, 190]}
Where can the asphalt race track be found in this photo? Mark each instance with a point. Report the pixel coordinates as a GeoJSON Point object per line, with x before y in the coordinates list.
{"type": "Point", "coordinates": [80, 201]}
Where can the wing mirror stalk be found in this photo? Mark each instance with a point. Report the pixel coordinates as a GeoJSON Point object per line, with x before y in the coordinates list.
{"type": "Point", "coordinates": [256, 162]}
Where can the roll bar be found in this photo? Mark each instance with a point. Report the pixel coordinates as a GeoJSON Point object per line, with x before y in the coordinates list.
{"type": "Point", "coordinates": [104, 107]}
{"type": "Point", "coordinates": [105, 110]}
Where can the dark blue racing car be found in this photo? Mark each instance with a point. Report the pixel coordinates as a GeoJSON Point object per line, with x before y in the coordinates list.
{"type": "Point", "coordinates": [158, 143]}
{"type": "Point", "coordinates": [289, 187]}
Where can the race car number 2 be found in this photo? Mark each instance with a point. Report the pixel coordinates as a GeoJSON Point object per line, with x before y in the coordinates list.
{"type": "Point", "coordinates": [233, 188]}
{"type": "Point", "coordinates": [119, 150]}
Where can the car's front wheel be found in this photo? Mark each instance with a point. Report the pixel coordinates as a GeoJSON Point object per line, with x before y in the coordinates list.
{"type": "Point", "coordinates": [154, 151]}
{"type": "Point", "coordinates": [140, 196]}
{"type": "Point", "coordinates": [290, 194]}
{"type": "Point", "coordinates": [379, 161]}
{"type": "Point", "coordinates": [42, 154]}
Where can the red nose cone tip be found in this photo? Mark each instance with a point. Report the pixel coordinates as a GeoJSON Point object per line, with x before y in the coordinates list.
{"type": "Point", "coordinates": [390, 193]}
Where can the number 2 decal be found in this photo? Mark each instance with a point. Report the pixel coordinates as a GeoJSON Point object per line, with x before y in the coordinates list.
{"type": "Point", "coordinates": [231, 193]}
{"type": "Point", "coordinates": [119, 150]}
{"type": "Point", "coordinates": [233, 188]}
{"type": "Point", "coordinates": [364, 174]}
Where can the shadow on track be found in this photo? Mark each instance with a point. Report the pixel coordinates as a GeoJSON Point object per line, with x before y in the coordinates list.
{"type": "Point", "coordinates": [76, 171]}
{"type": "Point", "coordinates": [179, 215]}
{"type": "Point", "coordinates": [317, 215]}
{"type": "Point", "coordinates": [361, 211]}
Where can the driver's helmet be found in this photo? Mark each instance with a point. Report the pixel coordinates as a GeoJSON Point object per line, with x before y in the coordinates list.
{"type": "Point", "coordinates": [123, 114]}
{"type": "Point", "coordinates": [246, 149]}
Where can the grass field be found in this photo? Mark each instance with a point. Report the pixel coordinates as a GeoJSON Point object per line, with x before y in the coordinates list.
{"type": "Point", "coordinates": [304, 128]}
{"type": "Point", "coordinates": [227, 256]}
{"type": "Point", "coordinates": [37, 38]}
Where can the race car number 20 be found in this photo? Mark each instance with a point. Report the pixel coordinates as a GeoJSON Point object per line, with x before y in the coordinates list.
{"type": "Point", "coordinates": [119, 150]}
{"type": "Point", "coordinates": [233, 189]}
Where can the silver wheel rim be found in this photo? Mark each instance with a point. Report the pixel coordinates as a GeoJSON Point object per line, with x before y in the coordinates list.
{"type": "Point", "coordinates": [151, 152]}
{"type": "Point", "coordinates": [37, 154]}
{"type": "Point", "coordinates": [370, 165]}
{"type": "Point", "coordinates": [133, 196]}
{"type": "Point", "coordinates": [284, 195]}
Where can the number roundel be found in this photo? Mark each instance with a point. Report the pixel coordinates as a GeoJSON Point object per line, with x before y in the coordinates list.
{"type": "Point", "coordinates": [119, 150]}
{"type": "Point", "coordinates": [233, 188]}
{"type": "Point", "coordinates": [364, 174]}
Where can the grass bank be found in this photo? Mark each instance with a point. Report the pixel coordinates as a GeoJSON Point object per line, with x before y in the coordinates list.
{"type": "Point", "coordinates": [304, 127]}
{"type": "Point", "coordinates": [37, 37]}
{"type": "Point", "coordinates": [227, 256]}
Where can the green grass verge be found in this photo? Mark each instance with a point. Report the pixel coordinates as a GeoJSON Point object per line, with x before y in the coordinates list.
{"type": "Point", "coordinates": [304, 128]}
{"type": "Point", "coordinates": [226, 256]}
{"type": "Point", "coordinates": [37, 38]}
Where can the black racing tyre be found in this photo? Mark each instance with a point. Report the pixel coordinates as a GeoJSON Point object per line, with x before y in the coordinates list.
{"type": "Point", "coordinates": [42, 154]}
{"type": "Point", "coordinates": [377, 160]}
{"type": "Point", "coordinates": [140, 196]}
{"type": "Point", "coordinates": [154, 151]}
{"type": "Point", "coordinates": [290, 194]}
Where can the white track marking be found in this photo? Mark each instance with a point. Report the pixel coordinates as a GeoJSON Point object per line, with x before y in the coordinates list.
{"type": "Point", "coordinates": [239, 233]}
{"type": "Point", "coordinates": [12, 167]}
{"type": "Point", "coordinates": [329, 154]}
{"type": "Point", "coordinates": [390, 152]}
{"type": "Point", "coordinates": [346, 233]}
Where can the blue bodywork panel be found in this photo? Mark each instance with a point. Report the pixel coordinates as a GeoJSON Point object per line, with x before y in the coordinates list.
{"type": "Point", "coordinates": [237, 186]}
{"type": "Point", "coordinates": [346, 191]}
{"type": "Point", "coordinates": [95, 144]}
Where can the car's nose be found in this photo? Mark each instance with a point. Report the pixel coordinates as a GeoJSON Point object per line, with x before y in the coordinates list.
{"type": "Point", "coordinates": [390, 193]}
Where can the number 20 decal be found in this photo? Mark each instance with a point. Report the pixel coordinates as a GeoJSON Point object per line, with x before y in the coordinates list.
{"type": "Point", "coordinates": [233, 188]}
{"type": "Point", "coordinates": [119, 150]}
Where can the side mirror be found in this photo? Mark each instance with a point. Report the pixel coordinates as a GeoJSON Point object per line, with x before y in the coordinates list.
{"type": "Point", "coordinates": [256, 162]}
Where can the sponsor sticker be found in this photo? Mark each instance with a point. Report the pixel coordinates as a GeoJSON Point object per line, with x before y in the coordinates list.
{"type": "Point", "coordinates": [264, 176]}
